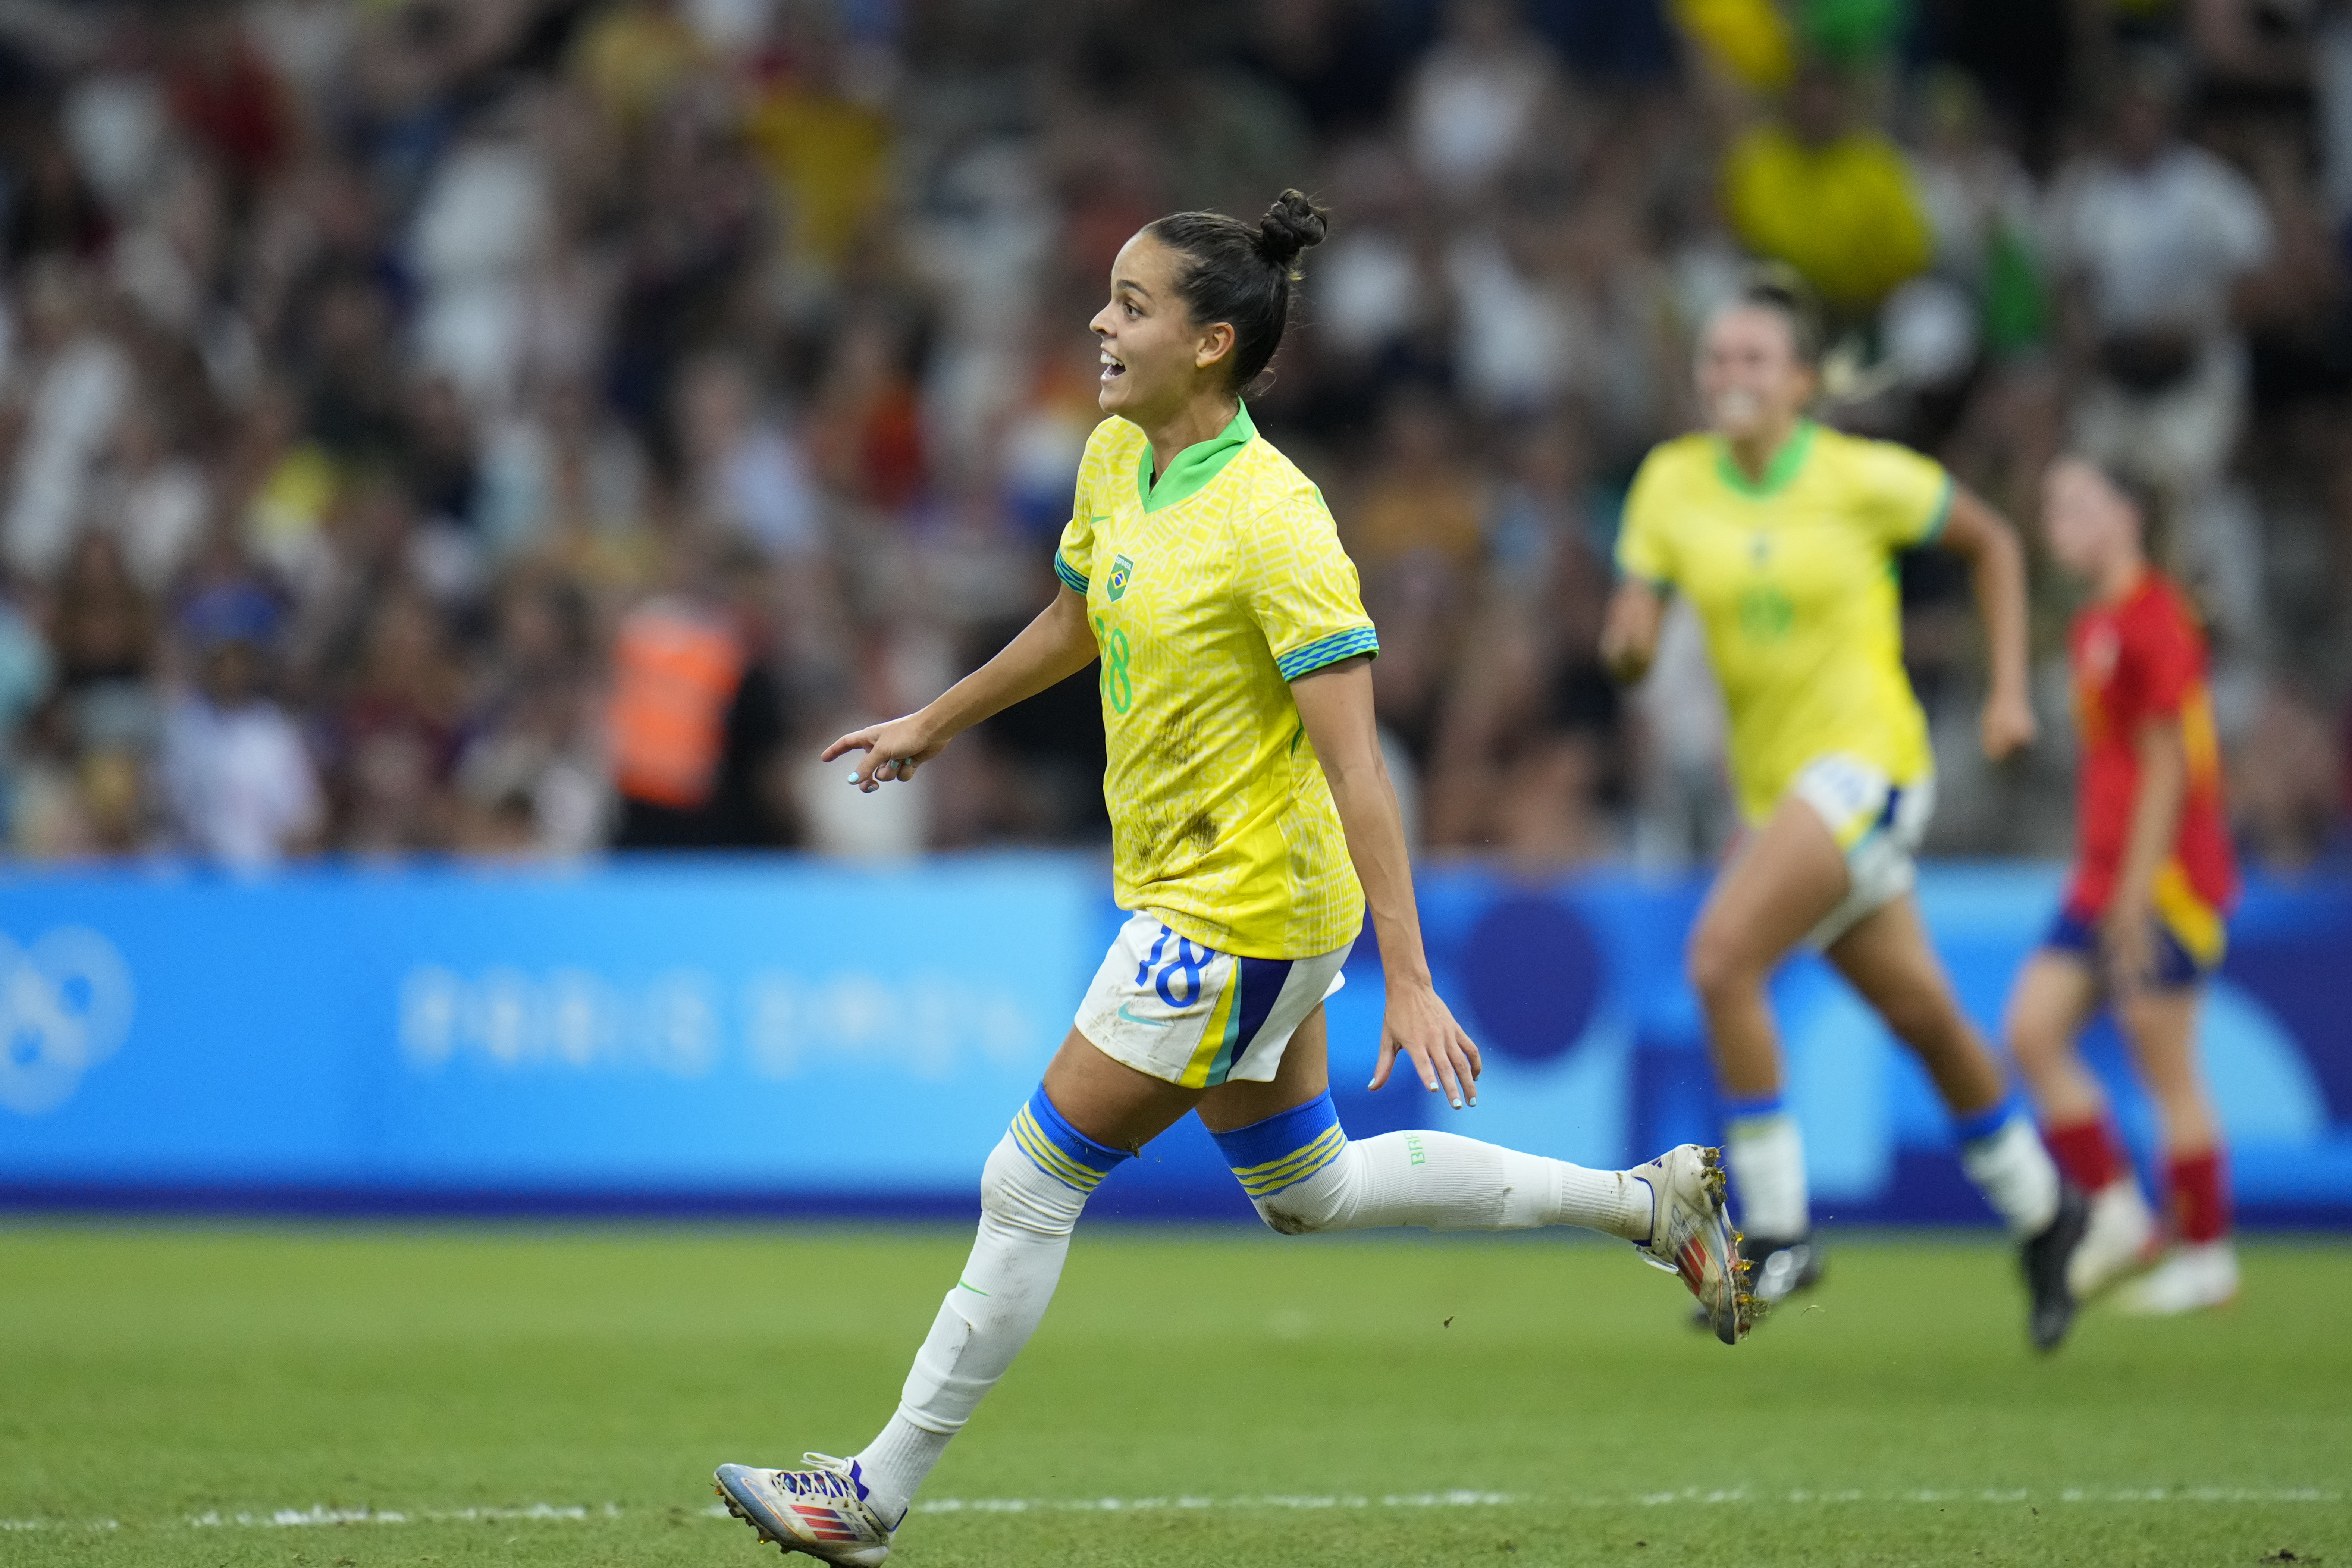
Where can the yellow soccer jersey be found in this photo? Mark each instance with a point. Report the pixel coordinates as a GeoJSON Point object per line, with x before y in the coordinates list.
{"type": "Point", "coordinates": [1793, 579]}
{"type": "Point", "coordinates": [1208, 596]}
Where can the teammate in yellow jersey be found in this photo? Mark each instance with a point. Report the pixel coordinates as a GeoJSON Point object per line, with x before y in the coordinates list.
{"type": "Point", "coordinates": [1252, 824]}
{"type": "Point", "coordinates": [1782, 535]}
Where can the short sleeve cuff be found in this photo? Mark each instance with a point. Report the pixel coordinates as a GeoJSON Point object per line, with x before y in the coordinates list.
{"type": "Point", "coordinates": [1072, 578]}
{"type": "Point", "coordinates": [1311, 657]}
{"type": "Point", "coordinates": [1940, 516]}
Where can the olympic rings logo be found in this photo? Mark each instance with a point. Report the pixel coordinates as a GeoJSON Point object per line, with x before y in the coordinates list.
{"type": "Point", "coordinates": [65, 1007]}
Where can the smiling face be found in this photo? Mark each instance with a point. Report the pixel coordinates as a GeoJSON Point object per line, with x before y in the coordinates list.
{"type": "Point", "coordinates": [2085, 520]}
{"type": "Point", "coordinates": [1155, 357]}
{"type": "Point", "coordinates": [1752, 382]}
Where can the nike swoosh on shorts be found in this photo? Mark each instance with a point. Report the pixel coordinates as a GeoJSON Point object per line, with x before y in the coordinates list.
{"type": "Point", "coordinates": [1155, 1023]}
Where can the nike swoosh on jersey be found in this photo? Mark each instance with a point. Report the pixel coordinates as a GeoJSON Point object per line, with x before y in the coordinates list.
{"type": "Point", "coordinates": [1155, 1023]}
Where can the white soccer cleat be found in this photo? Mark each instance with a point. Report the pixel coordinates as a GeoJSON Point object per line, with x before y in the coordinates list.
{"type": "Point", "coordinates": [2192, 1278]}
{"type": "Point", "coordinates": [1691, 1236]}
{"type": "Point", "coordinates": [821, 1510]}
{"type": "Point", "coordinates": [2123, 1239]}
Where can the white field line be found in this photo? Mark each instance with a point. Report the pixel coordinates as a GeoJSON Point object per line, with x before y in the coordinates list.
{"type": "Point", "coordinates": [318, 1514]}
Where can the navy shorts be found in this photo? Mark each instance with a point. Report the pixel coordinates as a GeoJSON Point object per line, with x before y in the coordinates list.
{"type": "Point", "coordinates": [2177, 968]}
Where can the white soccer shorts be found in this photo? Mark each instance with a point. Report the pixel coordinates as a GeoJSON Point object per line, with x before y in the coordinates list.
{"type": "Point", "coordinates": [1877, 823]}
{"type": "Point", "coordinates": [1167, 1007]}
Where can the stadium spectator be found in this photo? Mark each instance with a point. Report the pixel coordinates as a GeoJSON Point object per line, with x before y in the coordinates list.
{"type": "Point", "coordinates": [237, 778]}
{"type": "Point", "coordinates": [394, 738]}
{"type": "Point", "coordinates": [70, 388]}
{"type": "Point", "coordinates": [1834, 198]}
{"type": "Point", "coordinates": [531, 778]}
{"type": "Point", "coordinates": [2290, 785]}
{"type": "Point", "coordinates": [2152, 238]}
{"type": "Point", "coordinates": [1477, 98]}
{"type": "Point", "coordinates": [745, 474]}
{"type": "Point", "coordinates": [697, 719]}
{"type": "Point", "coordinates": [152, 499]}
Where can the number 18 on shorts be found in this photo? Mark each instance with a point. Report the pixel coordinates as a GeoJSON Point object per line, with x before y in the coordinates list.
{"type": "Point", "coordinates": [1167, 1005]}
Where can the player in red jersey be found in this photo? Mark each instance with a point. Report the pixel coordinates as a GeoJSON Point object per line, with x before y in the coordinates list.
{"type": "Point", "coordinates": [2142, 925]}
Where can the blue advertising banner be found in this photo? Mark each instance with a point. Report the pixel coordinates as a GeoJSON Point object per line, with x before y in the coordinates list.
{"type": "Point", "coordinates": [781, 1036]}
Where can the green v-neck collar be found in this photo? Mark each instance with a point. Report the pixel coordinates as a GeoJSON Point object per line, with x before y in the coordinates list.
{"type": "Point", "coordinates": [1777, 473]}
{"type": "Point", "coordinates": [1194, 466]}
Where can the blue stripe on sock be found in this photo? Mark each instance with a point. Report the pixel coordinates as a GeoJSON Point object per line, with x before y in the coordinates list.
{"type": "Point", "coordinates": [1753, 1107]}
{"type": "Point", "coordinates": [1263, 1142]}
{"type": "Point", "coordinates": [1985, 1123]}
{"type": "Point", "coordinates": [1095, 1157]}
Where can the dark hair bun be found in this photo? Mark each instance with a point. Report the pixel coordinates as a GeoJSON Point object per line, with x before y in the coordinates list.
{"type": "Point", "coordinates": [1243, 274]}
{"type": "Point", "coordinates": [1289, 226]}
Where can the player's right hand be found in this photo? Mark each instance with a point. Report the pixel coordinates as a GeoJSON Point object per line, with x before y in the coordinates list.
{"type": "Point", "coordinates": [2008, 725]}
{"type": "Point", "coordinates": [893, 751]}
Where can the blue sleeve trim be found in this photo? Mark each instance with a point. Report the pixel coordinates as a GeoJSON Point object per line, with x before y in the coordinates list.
{"type": "Point", "coordinates": [1307, 660]}
{"type": "Point", "coordinates": [1072, 578]}
{"type": "Point", "coordinates": [1934, 528]}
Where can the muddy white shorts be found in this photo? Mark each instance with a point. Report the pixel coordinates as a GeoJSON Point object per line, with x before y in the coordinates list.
{"type": "Point", "coordinates": [1164, 1005]}
{"type": "Point", "coordinates": [1877, 823]}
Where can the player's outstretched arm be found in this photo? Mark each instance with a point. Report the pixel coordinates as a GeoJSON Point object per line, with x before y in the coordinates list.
{"type": "Point", "coordinates": [1052, 648]}
{"type": "Point", "coordinates": [1629, 633]}
{"type": "Point", "coordinates": [1983, 538]}
{"type": "Point", "coordinates": [1336, 705]}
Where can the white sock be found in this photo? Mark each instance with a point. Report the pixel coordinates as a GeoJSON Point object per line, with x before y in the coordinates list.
{"type": "Point", "coordinates": [1768, 1165]}
{"type": "Point", "coordinates": [2016, 1175]}
{"type": "Point", "coordinates": [896, 1463]}
{"type": "Point", "coordinates": [1026, 1218]}
{"type": "Point", "coordinates": [1444, 1182]}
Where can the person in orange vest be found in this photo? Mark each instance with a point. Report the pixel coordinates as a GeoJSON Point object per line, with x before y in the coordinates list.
{"type": "Point", "coordinates": [696, 722]}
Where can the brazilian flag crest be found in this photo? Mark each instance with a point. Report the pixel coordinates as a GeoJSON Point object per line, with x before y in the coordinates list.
{"type": "Point", "coordinates": [1121, 569]}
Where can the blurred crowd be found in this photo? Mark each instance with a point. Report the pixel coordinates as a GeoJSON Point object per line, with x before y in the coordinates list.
{"type": "Point", "coordinates": [526, 427]}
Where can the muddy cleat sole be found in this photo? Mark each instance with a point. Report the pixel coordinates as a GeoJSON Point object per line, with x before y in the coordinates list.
{"type": "Point", "coordinates": [1777, 1270]}
{"type": "Point", "coordinates": [820, 1512]}
{"type": "Point", "coordinates": [1691, 1237]}
{"type": "Point", "coordinates": [2045, 1259]}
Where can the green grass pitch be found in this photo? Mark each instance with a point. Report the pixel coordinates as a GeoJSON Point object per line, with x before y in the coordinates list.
{"type": "Point", "coordinates": [526, 1395]}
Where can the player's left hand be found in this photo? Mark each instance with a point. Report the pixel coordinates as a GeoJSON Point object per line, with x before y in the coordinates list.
{"type": "Point", "coordinates": [1418, 1023]}
{"type": "Point", "coordinates": [2008, 725]}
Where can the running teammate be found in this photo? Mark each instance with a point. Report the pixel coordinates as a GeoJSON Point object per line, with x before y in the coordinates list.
{"type": "Point", "coordinates": [1251, 823]}
{"type": "Point", "coordinates": [2141, 927]}
{"type": "Point", "coordinates": [1783, 534]}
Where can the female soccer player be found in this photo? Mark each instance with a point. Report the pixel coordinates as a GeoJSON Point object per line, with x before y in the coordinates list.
{"type": "Point", "coordinates": [2141, 925]}
{"type": "Point", "coordinates": [1783, 535]}
{"type": "Point", "coordinates": [1252, 822]}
